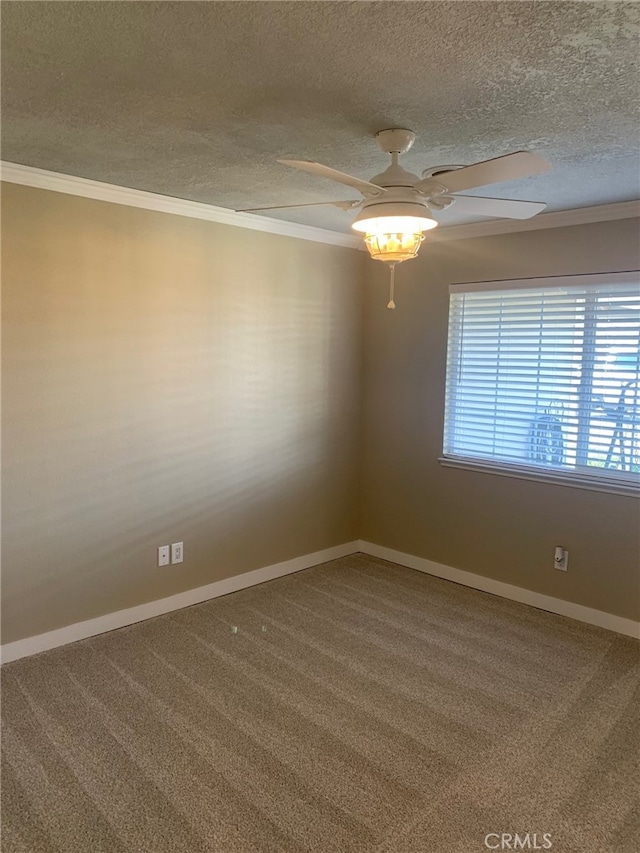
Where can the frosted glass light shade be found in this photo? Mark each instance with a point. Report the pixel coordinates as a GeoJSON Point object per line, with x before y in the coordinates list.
{"type": "Point", "coordinates": [395, 246]}
{"type": "Point", "coordinates": [397, 236]}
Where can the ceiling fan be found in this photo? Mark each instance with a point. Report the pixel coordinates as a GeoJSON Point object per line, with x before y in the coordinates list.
{"type": "Point", "coordinates": [397, 206]}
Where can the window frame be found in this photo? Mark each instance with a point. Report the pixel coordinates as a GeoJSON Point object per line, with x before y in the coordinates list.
{"type": "Point", "coordinates": [611, 482]}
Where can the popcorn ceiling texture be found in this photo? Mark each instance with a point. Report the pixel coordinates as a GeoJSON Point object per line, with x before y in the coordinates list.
{"type": "Point", "coordinates": [197, 100]}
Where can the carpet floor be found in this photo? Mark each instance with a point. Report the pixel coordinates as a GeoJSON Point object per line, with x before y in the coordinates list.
{"type": "Point", "coordinates": [356, 707]}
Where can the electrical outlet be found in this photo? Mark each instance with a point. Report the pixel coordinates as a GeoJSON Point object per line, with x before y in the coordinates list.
{"type": "Point", "coordinates": [177, 552]}
{"type": "Point", "coordinates": [561, 559]}
{"type": "Point", "coordinates": [163, 555]}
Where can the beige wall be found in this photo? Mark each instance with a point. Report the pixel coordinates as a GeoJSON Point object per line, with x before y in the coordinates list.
{"type": "Point", "coordinates": [167, 379]}
{"type": "Point", "coordinates": [499, 527]}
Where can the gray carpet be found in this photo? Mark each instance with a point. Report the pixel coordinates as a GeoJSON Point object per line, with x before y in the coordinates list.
{"type": "Point", "coordinates": [359, 706]}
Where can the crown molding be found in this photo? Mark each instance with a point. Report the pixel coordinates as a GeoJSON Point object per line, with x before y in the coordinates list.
{"type": "Point", "coordinates": [558, 219]}
{"type": "Point", "coordinates": [30, 176]}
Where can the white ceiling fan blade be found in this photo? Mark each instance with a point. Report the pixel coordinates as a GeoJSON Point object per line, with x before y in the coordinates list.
{"type": "Point", "coordinates": [502, 207]}
{"type": "Point", "coordinates": [367, 189]}
{"type": "Point", "coordinates": [520, 164]}
{"type": "Point", "coordinates": [343, 205]}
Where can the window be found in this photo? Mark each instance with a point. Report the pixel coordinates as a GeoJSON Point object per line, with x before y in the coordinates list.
{"type": "Point", "coordinates": [543, 379]}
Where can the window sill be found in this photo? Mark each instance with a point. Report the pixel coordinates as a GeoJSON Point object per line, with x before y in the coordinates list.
{"type": "Point", "coordinates": [560, 478]}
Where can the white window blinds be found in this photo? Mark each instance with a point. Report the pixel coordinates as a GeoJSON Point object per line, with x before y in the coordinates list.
{"type": "Point", "coordinates": [545, 374]}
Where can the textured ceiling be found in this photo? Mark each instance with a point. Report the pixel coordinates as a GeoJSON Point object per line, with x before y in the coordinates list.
{"type": "Point", "coordinates": [198, 99]}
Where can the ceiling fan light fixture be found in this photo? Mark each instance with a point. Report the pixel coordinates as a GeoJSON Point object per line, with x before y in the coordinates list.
{"type": "Point", "coordinates": [369, 224]}
{"type": "Point", "coordinates": [397, 205]}
{"type": "Point", "coordinates": [394, 246]}
{"type": "Point", "coordinates": [393, 238]}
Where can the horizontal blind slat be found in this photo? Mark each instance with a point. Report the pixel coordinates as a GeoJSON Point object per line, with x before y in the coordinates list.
{"type": "Point", "coordinates": [546, 375]}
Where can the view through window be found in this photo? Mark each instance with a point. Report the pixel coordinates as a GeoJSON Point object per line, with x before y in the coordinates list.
{"type": "Point", "coordinates": [545, 373]}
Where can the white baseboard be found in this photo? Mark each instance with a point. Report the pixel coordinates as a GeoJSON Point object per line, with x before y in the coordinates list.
{"type": "Point", "coordinates": [110, 621]}
{"type": "Point", "coordinates": [121, 618]}
{"type": "Point", "coordinates": [506, 590]}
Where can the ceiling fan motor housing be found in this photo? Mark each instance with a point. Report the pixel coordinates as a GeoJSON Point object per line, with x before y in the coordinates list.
{"type": "Point", "coordinates": [399, 203]}
{"type": "Point", "coordinates": [395, 176]}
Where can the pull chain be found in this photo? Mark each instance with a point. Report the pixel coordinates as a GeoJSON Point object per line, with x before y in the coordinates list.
{"type": "Point", "coordinates": [391, 303]}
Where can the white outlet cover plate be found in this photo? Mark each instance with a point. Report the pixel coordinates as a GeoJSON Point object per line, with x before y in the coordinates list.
{"type": "Point", "coordinates": [177, 552]}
